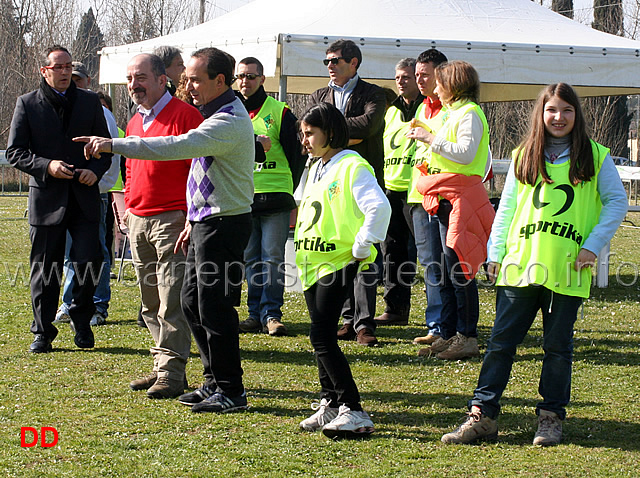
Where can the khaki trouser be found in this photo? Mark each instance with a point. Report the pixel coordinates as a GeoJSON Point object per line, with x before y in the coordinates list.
{"type": "Point", "coordinates": [160, 273]}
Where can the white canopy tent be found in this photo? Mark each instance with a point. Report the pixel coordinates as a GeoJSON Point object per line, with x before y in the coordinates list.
{"type": "Point", "coordinates": [516, 45]}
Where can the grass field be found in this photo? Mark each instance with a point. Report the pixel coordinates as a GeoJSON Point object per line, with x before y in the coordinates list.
{"type": "Point", "coordinates": [107, 430]}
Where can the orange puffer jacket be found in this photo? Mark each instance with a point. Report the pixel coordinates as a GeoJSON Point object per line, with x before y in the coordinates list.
{"type": "Point", "coordinates": [471, 215]}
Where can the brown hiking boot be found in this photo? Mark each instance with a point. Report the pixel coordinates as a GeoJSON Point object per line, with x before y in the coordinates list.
{"type": "Point", "coordinates": [144, 383]}
{"type": "Point", "coordinates": [346, 332]}
{"type": "Point", "coordinates": [440, 345]}
{"type": "Point", "coordinates": [426, 340]}
{"type": "Point", "coordinates": [461, 347]}
{"type": "Point", "coordinates": [475, 427]}
{"type": "Point", "coordinates": [366, 337]}
{"type": "Point", "coordinates": [549, 429]}
{"type": "Point", "coordinates": [166, 387]}
{"type": "Point", "coordinates": [275, 327]}
{"type": "Point", "coordinates": [389, 318]}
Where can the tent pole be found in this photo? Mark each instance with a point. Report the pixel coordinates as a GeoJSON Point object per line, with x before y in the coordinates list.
{"type": "Point", "coordinates": [282, 89]}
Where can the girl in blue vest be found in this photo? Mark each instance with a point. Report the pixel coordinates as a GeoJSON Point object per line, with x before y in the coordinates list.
{"type": "Point", "coordinates": [342, 214]}
{"type": "Point", "coordinates": [561, 204]}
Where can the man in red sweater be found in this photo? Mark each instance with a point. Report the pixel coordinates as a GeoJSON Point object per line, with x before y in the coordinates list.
{"type": "Point", "coordinates": [155, 197]}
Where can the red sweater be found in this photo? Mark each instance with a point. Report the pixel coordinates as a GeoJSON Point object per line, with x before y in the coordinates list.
{"type": "Point", "coordinates": [153, 187]}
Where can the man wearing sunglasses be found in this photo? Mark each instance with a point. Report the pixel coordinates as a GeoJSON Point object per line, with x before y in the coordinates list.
{"type": "Point", "coordinates": [63, 193]}
{"type": "Point", "coordinates": [274, 181]}
{"type": "Point", "coordinates": [363, 105]}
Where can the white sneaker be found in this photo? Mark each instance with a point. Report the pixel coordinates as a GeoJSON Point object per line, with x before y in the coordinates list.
{"type": "Point", "coordinates": [549, 429]}
{"type": "Point", "coordinates": [324, 415]}
{"type": "Point", "coordinates": [98, 319]}
{"type": "Point", "coordinates": [62, 317]}
{"type": "Point", "coordinates": [349, 424]}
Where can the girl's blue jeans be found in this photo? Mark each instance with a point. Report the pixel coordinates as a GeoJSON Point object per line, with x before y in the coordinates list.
{"type": "Point", "coordinates": [516, 308]}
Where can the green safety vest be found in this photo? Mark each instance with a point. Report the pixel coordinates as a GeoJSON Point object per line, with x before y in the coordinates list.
{"type": "Point", "coordinates": [328, 221]}
{"type": "Point", "coordinates": [398, 151]}
{"type": "Point", "coordinates": [423, 151]}
{"type": "Point", "coordinates": [274, 175]}
{"type": "Point", "coordinates": [440, 164]}
{"type": "Point", "coordinates": [550, 224]}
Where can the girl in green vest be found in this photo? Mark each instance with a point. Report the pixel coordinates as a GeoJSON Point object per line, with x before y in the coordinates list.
{"type": "Point", "coordinates": [342, 214]}
{"type": "Point", "coordinates": [561, 204]}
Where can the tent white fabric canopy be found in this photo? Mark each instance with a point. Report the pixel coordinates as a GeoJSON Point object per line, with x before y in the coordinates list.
{"type": "Point", "coordinates": [516, 45]}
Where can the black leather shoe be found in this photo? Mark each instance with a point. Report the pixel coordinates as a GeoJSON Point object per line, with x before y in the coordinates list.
{"type": "Point", "coordinates": [41, 344]}
{"type": "Point", "coordinates": [84, 338]}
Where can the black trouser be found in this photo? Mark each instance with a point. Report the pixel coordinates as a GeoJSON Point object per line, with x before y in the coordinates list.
{"type": "Point", "coordinates": [210, 292]}
{"type": "Point", "coordinates": [324, 301]}
{"type": "Point", "coordinates": [399, 267]}
{"type": "Point", "coordinates": [47, 260]}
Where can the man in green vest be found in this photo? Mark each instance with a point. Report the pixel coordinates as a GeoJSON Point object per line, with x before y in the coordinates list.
{"type": "Point", "coordinates": [274, 179]}
{"type": "Point", "coordinates": [399, 150]}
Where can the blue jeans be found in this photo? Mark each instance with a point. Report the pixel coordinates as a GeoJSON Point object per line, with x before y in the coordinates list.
{"type": "Point", "coordinates": [102, 295]}
{"type": "Point", "coordinates": [264, 258]}
{"type": "Point", "coordinates": [516, 308]}
{"type": "Point", "coordinates": [427, 237]}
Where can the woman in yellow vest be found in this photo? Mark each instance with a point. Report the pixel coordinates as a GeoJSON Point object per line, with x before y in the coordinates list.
{"type": "Point", "coordinates": [458, 160]}
{"type": "Point", "coordinates": [342, 214]}
{"type": "Point", "coordinates": [562, 202]}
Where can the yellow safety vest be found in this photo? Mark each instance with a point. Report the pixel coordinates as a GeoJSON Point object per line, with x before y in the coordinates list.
{"type": "Point", "coordinates": [328, 221]}
{"type": "Point", "coordinates": [549, 227]}
{"type": "Point", "coordinates": [440, 164]}
{"type": "Point", "coordinates": [398, 151]}
{"type": "Point", "coordinates": [273, 175]}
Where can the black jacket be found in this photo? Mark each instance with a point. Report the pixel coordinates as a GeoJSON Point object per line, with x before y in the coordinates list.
{"type": "Point", "coordinates": [37, 137]}
{"type": "Point", "coordinates": [365, 116]}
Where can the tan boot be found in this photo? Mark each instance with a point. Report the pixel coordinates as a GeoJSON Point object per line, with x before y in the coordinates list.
{"type": "Point", "coordinates": [440, 345]}
{"type": "Point", "coordinates": [461, 347]}
{"type": "Point", "coordinates": [549, 429]}
{"type": "Point", "coordinates": [476, 426]}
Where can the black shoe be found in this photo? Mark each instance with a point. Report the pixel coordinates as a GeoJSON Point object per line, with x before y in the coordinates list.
{"type": "Point", "coordinates": [42, 344]}
{"type": "Point", "coordinates": [84, 338]}
{"type": "Point", "coordinates": [197, 396]}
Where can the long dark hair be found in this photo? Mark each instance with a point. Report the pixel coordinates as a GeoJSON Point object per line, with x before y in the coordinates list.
{"type": "Point", "coordinates": [530, 161]}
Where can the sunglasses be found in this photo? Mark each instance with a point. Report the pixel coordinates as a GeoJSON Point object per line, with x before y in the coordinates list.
{"type": "Point", "coordinates": [248, 76]}
{"type": "Point", "coordinates": [333, 61]}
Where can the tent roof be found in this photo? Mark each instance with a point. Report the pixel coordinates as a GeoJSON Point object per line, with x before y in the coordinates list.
{"type": "Point", "coordinates": [516, 45]}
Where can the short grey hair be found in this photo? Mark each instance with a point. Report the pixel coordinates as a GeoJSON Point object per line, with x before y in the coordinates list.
{"type": "Point", "coordinates": [406, 63]}
{"type": "Point", "coordinates": [167, 53]}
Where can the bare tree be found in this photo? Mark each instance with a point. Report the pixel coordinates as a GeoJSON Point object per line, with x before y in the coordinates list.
{"type": "Point", "coordinates": [563, 7]}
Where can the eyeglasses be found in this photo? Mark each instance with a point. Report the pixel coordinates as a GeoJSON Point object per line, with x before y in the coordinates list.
{"type": "Point", "coordinates": [333, 61]}
{"type": "Point", "coordinates": [59, 68]}
{"type": "Point", "coordinates": [248, 76]}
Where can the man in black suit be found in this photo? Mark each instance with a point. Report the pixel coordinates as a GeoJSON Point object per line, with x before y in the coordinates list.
{"type": "Point", "coordinates": [63, 193]}
{"type": "Point", "coordinates": [363, 106]}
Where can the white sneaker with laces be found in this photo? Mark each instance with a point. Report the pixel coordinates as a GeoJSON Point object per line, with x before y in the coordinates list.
{"type": "Point", "coordinates": [324, 415]}
{"type": "Point", "coordinates": [349, 424]}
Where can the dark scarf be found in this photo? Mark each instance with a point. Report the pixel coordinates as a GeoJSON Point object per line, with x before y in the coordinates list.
{"type": "Point", "coordinates": [62, 104]}
{"type": "Point", "coordinates": [256, 100]}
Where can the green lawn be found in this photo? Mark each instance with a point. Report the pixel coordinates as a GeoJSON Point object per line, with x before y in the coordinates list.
{"type": "Point", "coordinates": [107, 430]}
